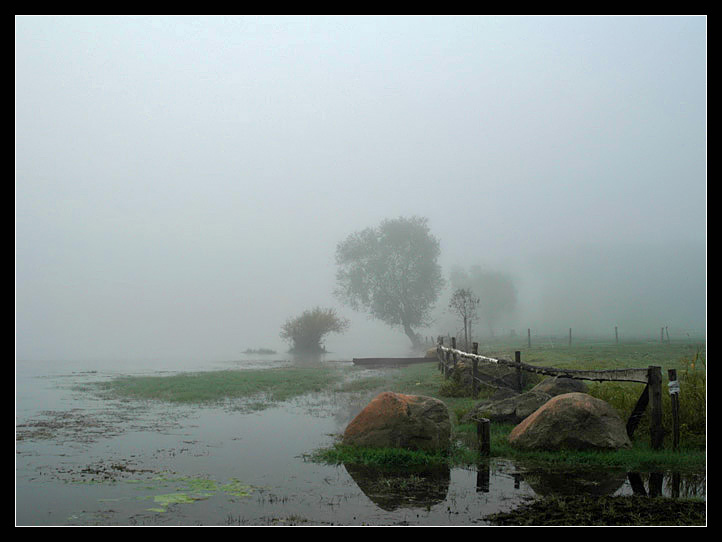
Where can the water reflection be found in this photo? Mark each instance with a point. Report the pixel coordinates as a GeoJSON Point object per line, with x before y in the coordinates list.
{"type": "Point", "coordinates": [594, 483]}
{"type": "Point", "coordinates": [307, 358]}
{"type": "Point", "coordinates": [483, 476]}
{"type": "Point", "coordinates": [610, 482]}
{"type": "Point", "coordinates": [674, 484]}
{"type": "Point", "coordinates": [391, 490]}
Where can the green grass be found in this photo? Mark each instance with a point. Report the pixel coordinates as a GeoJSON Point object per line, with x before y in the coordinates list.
{"type": "Point", "coordinates": [264, 385]}
{"type": "Point", "coordinates": [639, 458]}
{"type": "Point", "coordinates": [597, 355]}
{"type": "Point", "coordinates": [391, 458]}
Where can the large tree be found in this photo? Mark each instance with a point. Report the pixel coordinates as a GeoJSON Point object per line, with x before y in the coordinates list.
{"type": "Point", "coordinates": [391, 272]}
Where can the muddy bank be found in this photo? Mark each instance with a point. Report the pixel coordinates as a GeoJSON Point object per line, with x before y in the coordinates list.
{"type": "Point", "coordinates": [604, 511]}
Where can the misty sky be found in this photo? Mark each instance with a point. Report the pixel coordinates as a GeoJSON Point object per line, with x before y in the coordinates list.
{"type": "Point", "coordinates": [182, 182]}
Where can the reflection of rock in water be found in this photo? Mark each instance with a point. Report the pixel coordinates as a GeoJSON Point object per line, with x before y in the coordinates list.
{"type": "Point", "coordinates": [391, 490]}
{"type": "Point", "coordinates": [562, 483]}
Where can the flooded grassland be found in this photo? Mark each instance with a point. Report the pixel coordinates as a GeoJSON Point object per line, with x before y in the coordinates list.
{"type": "Point", "coordinates": [96, 447]}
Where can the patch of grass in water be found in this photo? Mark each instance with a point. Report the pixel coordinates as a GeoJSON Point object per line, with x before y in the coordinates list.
{"type": "Point", "coordinates": [274, 385]}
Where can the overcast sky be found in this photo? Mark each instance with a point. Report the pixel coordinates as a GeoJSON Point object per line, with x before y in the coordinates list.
{"type": "Point", "coordinates": [182, 182]}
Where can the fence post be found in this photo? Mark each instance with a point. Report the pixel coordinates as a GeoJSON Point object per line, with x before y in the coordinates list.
{"type": "Point", "coordinates": [616, 335]}
{"type": "Point", "coordinates": [446, 364]}
{"type": "Point", "coordinates": [483, 435]}
{"type": "Point", "coordinates": [570, 336]}
{"type": "Point", "coordinates": [453, 355]}
{"type": "Point", "coordinates": [528, 337]}
{"type": "Point", "coordinates": [517, 358]}
{"type": "Point", "coordinates": [474, 370]}
{"type": "Point", "coordinates": [439, 353]}
{"type": "Point", "coordinates": [674, 396]}
{"type": "Point", "coordinates": [656, 431]}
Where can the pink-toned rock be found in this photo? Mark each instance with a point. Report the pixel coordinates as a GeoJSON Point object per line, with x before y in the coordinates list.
{"type": "Point", "coordinates": [394, 420]}
{"type": "Point", "coordinates": [575, 421]}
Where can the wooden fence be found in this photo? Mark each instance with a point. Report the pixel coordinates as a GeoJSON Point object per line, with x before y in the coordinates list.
{"type": "Point", "coordinates": [650, 376]}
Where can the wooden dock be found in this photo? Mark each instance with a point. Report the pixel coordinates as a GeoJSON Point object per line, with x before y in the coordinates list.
{"type": "Point", "coordinates": [391, 362]}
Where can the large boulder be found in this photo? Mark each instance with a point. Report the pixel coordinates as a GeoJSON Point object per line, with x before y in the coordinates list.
{"type": "Point", "coordinates": [394, 420]}
{"type": "Point", "coordinates": [575, 421]}
{"type": "Point", "coordinates": [559, 385]}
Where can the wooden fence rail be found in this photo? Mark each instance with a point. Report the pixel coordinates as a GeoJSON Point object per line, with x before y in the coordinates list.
{"type": "Point", "coordinates": [650, 376]}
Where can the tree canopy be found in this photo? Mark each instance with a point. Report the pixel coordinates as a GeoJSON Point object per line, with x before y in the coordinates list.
{"type": "Point", "coordinates": [391, 272]}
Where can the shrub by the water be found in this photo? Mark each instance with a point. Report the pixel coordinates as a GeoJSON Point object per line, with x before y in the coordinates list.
{"type": "Point", "coordinates": [306, 332]}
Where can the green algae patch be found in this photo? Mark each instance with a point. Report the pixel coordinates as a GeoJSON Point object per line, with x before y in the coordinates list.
{"type": "Point", "coordinates": [189, 489]}
{"type": "Point", "coordinates": [171, 498]}
{"type": "Point", "coordinates": [236, 489]}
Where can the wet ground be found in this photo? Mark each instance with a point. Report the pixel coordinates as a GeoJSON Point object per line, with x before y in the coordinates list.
{"type": "Point", "coordinates": [86, 460]}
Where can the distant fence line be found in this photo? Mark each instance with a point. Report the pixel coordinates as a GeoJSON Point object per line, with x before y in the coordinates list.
{"type": "Point", "coordinates": [664, 336]}
{"type": "Point", "coordinates": [651, 376]}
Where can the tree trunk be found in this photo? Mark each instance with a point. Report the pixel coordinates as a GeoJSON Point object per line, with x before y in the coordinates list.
{"type": "Point", "coordinates": [413, 337]}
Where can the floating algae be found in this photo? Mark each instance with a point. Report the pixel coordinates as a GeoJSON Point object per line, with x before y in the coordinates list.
{"type": "Point", "coordinates": [190, 489]}
{"type": "Point", "coordinates": [171, 498]}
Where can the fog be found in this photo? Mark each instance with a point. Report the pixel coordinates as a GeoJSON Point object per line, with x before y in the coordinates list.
{"type": "Point", "coordinates": [181, 183]}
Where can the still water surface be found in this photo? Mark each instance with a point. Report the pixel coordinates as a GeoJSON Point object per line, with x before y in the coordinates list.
{"type": "Point", "coordinates": [84, 460]}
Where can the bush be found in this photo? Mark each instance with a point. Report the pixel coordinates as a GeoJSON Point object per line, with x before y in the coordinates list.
{"type": "Point", "coordinates": [306, 332]}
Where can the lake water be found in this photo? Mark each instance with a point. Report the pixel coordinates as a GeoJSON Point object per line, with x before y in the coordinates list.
{"type": "Point", "coordinates": [85, 460]}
